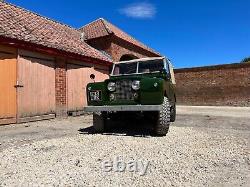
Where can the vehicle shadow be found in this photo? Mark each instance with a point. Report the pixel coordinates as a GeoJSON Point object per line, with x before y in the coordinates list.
{"type": "Point", "coordinates": [123, 129]}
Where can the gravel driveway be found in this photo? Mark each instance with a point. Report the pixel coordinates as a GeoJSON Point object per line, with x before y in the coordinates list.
{"type": "Point", "coordinates": [199, 150]}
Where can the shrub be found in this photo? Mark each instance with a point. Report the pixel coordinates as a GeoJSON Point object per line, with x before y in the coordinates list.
{"type": "Point", "coordinates": [246, 60]}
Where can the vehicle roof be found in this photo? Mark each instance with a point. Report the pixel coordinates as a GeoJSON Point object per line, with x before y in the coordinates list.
{"type": "Point", "coordinates": [140, 60]}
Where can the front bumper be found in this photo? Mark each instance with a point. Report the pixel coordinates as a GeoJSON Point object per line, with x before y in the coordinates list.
{"type": "Point", "coordinates": [123, 108]}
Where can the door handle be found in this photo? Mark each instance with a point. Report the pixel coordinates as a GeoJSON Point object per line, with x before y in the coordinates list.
{"type": "Point", "coordinates": [18, 86]}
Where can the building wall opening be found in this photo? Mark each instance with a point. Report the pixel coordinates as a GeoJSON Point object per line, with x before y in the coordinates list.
{"type": "Point", "coordinates": [128, 57]}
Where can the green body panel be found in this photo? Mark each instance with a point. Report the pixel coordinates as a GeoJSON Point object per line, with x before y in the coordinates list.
{"type": "Point", "coordinates": [151, 95]}
{"type": "Point", "coordinates": [148, 94]}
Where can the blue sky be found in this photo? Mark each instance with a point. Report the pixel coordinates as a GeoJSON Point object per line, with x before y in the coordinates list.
{"type": "Point", "coordinates": [190, 32]}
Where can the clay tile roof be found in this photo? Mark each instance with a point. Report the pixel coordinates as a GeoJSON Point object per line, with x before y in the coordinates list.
{"type": "Point", "coordinates": [102, 28]}
{"type": "Point", "coordinates": [18, 23]}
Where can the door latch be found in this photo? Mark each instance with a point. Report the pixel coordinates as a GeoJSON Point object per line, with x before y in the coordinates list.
{"type": "Point", "coordinates": [18, 85]}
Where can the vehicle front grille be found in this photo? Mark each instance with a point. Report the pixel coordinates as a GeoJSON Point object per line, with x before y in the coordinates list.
{"type": "Point", "coordinates": [124, 90]}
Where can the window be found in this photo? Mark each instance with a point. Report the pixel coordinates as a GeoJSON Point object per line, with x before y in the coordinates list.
{"type": "Point", "coordinates": [151, 66]}
{"type": "Point", "coordinates": [126, 68]}
{"type": "Point", "coordinates": [146, 66]}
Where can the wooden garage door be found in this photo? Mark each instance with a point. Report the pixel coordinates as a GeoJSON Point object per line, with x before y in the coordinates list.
{"type": "Point", "coordinates": [7, 85]}
{"type": "Point", "coordinates": [78, 78]}
{"type": "Point", "coordinates": [101, 73]}
{"type": "Point", "coordinates": [36, 94]}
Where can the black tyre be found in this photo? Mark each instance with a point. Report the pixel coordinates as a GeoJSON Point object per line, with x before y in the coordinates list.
{"type": "Point", "coordinates": [99, 120]}
{"type": "Point", "coordinates": [173, 113]}
{"type": "Point", "coordinates": [163, 119]}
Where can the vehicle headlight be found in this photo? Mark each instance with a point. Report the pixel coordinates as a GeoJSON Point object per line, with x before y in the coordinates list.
{"type": "Point", "coordinates": [136, 85]}
{"type": "Point", "coordinates": [111, 86]}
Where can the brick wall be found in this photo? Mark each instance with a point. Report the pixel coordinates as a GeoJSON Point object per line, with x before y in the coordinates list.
{"type": "Point", "coordinates": [214, 85]}
{"type": "Point", "coordinates": [117, 47]}
{"type": "Point", "coordinates": [61, 87]}
{"type": "Point", "coordinates": [120, 47]}
{"type": "Point", "coordinates": [103, 43]}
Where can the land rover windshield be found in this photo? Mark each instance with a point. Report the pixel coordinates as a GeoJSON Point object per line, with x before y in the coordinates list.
{"type": "Point", "coordinates": [139, 67]}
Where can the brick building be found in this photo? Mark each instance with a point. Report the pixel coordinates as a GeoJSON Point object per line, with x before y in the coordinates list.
{"type": "Point", "coordinates": [114, 42]}
{"type": "Point", "coordinates": [227, 84]}
{"type": "Point", "coordinates": [45, 65]}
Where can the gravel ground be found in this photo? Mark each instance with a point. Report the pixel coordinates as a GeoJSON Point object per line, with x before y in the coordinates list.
{"type": "Point", "coordinates": [225, 111]}
{"type": "Point", "coordinates": [198, 151]}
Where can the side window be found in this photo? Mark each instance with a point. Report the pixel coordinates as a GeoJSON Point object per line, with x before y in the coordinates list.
{"type": "Point", "coordinates": [150, 66]}
{"type": "Point", "coordinates": [116, 70]}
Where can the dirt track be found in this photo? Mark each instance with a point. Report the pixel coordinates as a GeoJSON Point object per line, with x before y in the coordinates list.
{"type": "Point", "coordinates": [202, 148]}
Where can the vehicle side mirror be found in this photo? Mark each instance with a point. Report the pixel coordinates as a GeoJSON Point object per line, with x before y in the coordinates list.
{"type": "Point", "coordinates": [166, 74]}
{"type": "Point", "coordinates": [92, 76]}
{"type": "Point", "coordinates": [162, 71]}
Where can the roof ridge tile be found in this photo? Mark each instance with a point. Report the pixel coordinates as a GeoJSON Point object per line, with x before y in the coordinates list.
{"type": "Point", "coordinates": [89, 23]}
{"type": "Point", "coordinates": [106, 26]}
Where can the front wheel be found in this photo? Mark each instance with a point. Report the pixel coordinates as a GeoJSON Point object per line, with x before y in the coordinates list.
{"type": "Point", "coordinates": [163, 119]}
{"type": "Point", "coordinates": [99, 120]}
{"type": "Point", "coordinates": [173, 113]}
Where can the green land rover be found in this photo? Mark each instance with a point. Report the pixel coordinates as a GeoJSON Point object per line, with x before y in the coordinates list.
{"type": "Point", "coordinates": [142, 87]}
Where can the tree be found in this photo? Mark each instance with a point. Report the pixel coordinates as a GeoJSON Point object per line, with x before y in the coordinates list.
{"type": "Point", "coordinates": [247, 59]}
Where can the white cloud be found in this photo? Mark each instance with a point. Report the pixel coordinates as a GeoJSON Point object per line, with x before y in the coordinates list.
{"type": "Point", "coordinates": [139, 10]}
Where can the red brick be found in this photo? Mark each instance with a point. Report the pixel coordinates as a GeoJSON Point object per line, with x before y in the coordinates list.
{"type": "Point", "coordinates": [214, 85]}
{"type": "Point", "coordinates": [61, 87]}
{"type": "Point", "coordinates": [117, 47]}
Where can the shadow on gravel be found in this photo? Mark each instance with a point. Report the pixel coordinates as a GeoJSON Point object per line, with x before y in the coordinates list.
{"type": "Point", "coordinates": [125, 129]}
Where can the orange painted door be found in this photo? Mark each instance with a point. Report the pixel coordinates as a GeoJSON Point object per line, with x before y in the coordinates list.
{"type": "Point", "coordinates": [78, 78]}
{"type": "Point", "coordinates": [7, 85]}
{"type": "Point", "coordinates": [36, 77]}
{"type": "Point", "coordinates": [101, 73]}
